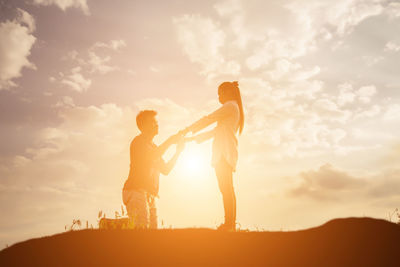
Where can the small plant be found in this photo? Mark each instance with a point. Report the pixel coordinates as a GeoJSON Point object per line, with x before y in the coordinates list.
{"type": "Point", "coordinates": [75, 223]}
{"type": "Point", "coordinates": [239, 229]}
{"type": "Point", "coordinates": [396, 214]}
{"type": "Point", "coordinates": [120, 221]}
{"type": "Point", "coordinates": [99, 217]}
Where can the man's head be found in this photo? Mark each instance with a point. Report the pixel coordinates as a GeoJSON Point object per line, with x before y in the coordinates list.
{"type": "Point", "coordinates": [147, 123]}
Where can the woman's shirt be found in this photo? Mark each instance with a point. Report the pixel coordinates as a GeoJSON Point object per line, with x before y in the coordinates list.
{"type": "Point", "coordinates": [225, 141]}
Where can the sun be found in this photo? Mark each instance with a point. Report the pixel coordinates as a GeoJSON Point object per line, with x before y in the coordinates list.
{"type": "Point", "coordinates": [193, 160]}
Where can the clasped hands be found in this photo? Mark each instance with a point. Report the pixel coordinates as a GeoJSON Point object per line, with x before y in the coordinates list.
{"type": "Point", "coordinates": [180, 138]}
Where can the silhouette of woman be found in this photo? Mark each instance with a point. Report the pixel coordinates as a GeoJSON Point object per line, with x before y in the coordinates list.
{"type": "Point", "coordinates": [230, 119]}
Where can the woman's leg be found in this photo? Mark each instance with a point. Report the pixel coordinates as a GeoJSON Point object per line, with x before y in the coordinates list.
{"type": "Point", "coordinates": [225, 182]}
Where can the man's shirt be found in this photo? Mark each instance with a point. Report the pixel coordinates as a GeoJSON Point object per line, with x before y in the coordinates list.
{"type": "Point", "coordinates": [145, 166]}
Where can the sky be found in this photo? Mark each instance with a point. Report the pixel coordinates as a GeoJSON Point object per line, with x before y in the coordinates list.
{"type": "Point", "coordinates": [320, 88]}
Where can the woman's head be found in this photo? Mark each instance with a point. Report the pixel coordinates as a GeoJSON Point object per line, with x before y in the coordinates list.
{"type": "Point", "coordinates": [228, 91]}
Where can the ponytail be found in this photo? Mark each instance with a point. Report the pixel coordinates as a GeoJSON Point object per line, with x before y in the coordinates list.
{"type": "Point", "coordinates": [238, 99]}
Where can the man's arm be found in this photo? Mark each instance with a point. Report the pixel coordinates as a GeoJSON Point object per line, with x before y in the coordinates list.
{"type": "Point", "coordinates": [167, 143]}
{"type": "Point", "coordinates": [166, 168]}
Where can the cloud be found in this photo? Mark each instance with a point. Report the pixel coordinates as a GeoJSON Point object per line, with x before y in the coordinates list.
{"type": "Point", "coordinates": [93, 61]}
{"type": "Point", "coordinates": [373, 111]}
{"type": "Point", "coordinates": [76, 81]}
{"type": "Point", "coordinates": [332, 184]}
{"type": "Point", "coordinates": [387, 186]}
{"type": "Point", "coordinates": [85, 137]}
{"type": "Point", "coordinates": [62, 156]}
{"type": "Point", "coordinates": [330, 110]}
{"type": "Point", "coordinates": [113, 44]}
{"type": "Point", "coordinates": [66, 4]}
{"type": "Point", "coordinates": [271, 43]}
{"type": "Point", "coordinates": [25, 18]}
{"type": "Point", "coordinates": [88, 150]}
{"type": "Point", "coordinates": [331, 179]}
{"type": "Point", "coordinates": [392, 46]}
{"type": "Point", "coordinates": [16, 41]}
{"type": "Point", "coordinates": [392, 113]}
{"type": "Point", "coordinates": [303, 120]}
{"type": "Point", "coordinates": [327, 183]}
{"type": "Point", "coordinates": [288, 105]}
{"type": "Point", "coordinates": [338, 17]}
{"type": "Point", "coordinates": [172, 116]}
{"type": "Point", "coordinates": [73, 55]}
{"type": "Point", "coordinates": [83, 161]}
{"type": "Point", "coordinates": [66, 101]}
{"type": "Point", "coordinates": [285, 70]}
{"type": "Point", "coordinates": [154, 69]}
{"type": "Point", "coordinates": [393, 9]}
{"type": "Point", "coordinates": [365, 93]}
{"type": "Point", "coordinates": [276, 48]}
{"type": "Point", "coordinates": [202, 39]}
{"type": "Point", "coordinates": [392, 158]}
{"type": "Point", "coordinates": [372, 60]}
{"type": "Point", "coordinates": [346, 94]}
{"type": "Point", "coordinates": [275, 119]}
{"type": "Point", "coordinates": [228, 7]}
{"type": "Point", "coordinates": [345, 15]}
{"type": "Point", "coordinates": [99, 64]}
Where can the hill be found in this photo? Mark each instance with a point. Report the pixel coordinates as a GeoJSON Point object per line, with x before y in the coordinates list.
{"type": "Point", "coordinates": [340, 242]}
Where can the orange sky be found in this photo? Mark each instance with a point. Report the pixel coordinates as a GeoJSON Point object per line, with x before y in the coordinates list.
{"type": "Point", "coordinates": [320, 88]}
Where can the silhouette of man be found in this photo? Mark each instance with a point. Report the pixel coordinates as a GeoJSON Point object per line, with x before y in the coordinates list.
{"type": "Point", "coordinates": [141, 188]}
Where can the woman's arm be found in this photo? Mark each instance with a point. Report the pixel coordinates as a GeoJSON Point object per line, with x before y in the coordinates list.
{"type": "Point", "coordinates": [200, 138]}
{"type": "Point", "coordinates": [215, 116]}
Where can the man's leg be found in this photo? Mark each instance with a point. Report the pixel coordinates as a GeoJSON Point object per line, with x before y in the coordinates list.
{"type": "Point", "coordinates": [153, 211]}
{"type": "Point", "coordinates": [137, 209]}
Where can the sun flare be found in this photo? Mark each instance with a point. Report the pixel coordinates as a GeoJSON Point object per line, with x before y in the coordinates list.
{"type": "Point", "coordinates": [193, 161]}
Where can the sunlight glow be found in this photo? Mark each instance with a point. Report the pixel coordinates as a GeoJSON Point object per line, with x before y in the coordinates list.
{"type": "Point", "coordinates": [193, 161]}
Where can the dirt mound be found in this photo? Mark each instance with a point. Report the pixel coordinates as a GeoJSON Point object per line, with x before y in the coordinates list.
{"type": "Point", "coordinates": [340, 242]}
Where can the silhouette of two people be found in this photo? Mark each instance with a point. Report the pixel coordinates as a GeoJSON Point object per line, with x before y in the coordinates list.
{"type": "Point", "coordinates": [140, 190]}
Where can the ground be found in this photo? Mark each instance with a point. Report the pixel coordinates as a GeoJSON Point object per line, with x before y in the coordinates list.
{"type": "Point", "coordinates": [340, 242]}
